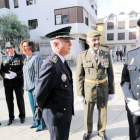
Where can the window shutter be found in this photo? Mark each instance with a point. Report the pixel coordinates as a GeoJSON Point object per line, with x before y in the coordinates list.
{"type": "Point", "coordinates": [65, 12]}
{"type": "Point", "coordinates": [80, 14]}
{"type": "Point", "coordinates": [57, 12]}
{"type": "Point", "coordinates": [72, 15]}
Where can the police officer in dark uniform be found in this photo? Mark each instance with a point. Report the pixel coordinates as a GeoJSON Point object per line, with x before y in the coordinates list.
{"type": "Point", "coordinates": [130, 83]}
{"type": "Point", "coordinates": [0, 63]}
{"type": "Point", "coordinates": [55, 86]}
{"type": "Point", "coordinates": [11, 71]}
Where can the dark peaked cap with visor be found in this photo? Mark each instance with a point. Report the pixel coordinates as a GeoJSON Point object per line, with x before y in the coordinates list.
{"type": "Point", "coordinates": [9, 45]}
{"type": "Point", "coordinates": [61, 33]}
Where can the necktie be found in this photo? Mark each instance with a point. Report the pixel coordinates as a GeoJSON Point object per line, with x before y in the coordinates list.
{"type": "Point", "coordinates": [68, 68]}
{"type": "Point", "coordinates": [11, 57]}
{"type": "Point", "coordinates": [66, 64]}
{"type": "Point", "coordinates": [96, 57]}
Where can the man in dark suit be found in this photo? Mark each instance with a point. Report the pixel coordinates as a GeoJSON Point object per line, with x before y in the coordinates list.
{"type": "Point", "coordinates": [11, 71]}
{"type": "Point", "coordinates": [55, 86]}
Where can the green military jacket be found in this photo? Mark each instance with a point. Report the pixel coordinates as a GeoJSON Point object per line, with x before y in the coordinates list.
{"type": "Point", "coordinates": [87, 68]}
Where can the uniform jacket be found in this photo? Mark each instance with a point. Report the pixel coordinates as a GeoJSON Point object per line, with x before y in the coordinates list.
{"type": "Point", "coordinates": [14, 65]}
{"type": "Point", "coordinates": [87, 68]}
{"type": "Point", "coordinates": [130, 80]}
{"type": "Point", "coordinates": [31, 70]}
{"type": "Point", "coordinates": [55, 87]}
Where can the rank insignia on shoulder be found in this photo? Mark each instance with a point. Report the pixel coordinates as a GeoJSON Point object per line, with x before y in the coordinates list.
{"type": "Point", "coordinates": [132, 61]}
{"type": "Point", "coordinates": [54, 59]}
{"type": "Point", "coordinates": [64, 77]}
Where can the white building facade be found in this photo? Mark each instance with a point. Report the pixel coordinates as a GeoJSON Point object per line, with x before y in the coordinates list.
{"type": "Point", "coordinates": [44, 16]}
{"type": "Point", "coordinates": [122, 32]}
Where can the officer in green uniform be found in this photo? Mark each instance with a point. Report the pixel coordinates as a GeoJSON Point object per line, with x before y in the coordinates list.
{"type": "Point", "coordinates": [95, 83]}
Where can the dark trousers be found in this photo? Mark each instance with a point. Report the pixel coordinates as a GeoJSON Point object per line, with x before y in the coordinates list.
{"type": "Point", "coordinates": [121, 57]}
{"type": "Point", "coordinates": [10, 101]}
{"type": "Point", "coordinates": [134, 125]}
{"type": "Point", "coordinates": [58, 131]}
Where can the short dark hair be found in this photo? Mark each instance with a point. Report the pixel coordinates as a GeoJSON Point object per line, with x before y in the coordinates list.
{"type": "Point", "coordinates": [31, 45]}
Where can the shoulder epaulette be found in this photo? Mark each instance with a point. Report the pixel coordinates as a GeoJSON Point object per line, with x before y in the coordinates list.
{"type": "Point", "coordinates": [134, 49]}
{"type": "Point", "coordinates": [54, 59]}
{"type": "Point", "coordinates": [83, 51]}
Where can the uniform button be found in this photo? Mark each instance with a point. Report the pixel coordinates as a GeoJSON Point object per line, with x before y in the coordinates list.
{"type": "Point", "coordinates": [65, 85]}
{"type": "Point", "coordinates": [139, 77]}
{"type": "Point", "coordinates": [138, 85]}
{"type": "Point", "coordinates": [10, 68]}
{"type": "Point", "coordinates": [64, 108]}
{"type": "Point", "coordinates": [137, 93]}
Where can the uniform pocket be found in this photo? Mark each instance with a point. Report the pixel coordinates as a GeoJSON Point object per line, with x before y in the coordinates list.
{"type": "Point", "coordinates": [88, 64]}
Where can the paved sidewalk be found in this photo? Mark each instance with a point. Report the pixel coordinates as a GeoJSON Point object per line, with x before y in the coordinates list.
{"type": "Point", "coordinates": [117, 126]}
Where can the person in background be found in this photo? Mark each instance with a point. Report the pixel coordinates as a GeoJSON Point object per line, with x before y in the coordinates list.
{"type": "Point", "coordinates": [55, 86]}
{"type": "Point", "coordinates": [21, 51]}
{"type": "Point", "coordinates": [121, 54]}
{"type": "Point", "coordinates": [32, 65]}
{"type": "Point", "coordinates": [118, 54]}
{"type": "Point", "coordinates": [94, 67]}
{"type": "Point", "coordinates": [112, 55]}
{"type": "Point", "coordinates": [11, 71]}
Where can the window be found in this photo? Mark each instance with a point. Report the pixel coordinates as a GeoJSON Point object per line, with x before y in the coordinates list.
{"type": "Point", "coordinates": [31, 2]}
{"type": "Point", "coordinates": [110, 36]}
{"type": "Point", "coordinates": [121, 36]}
{"type": "Point", "coordinates": [86, 21]}
{"type": "Point", "coordinates": [95, 11]}
{"type": "Point", "coordinates": [58, 19]}
{"type": "Point", "coordinates": [68, 15]}
{"type": "Point", "coordinates": [4, 4]}
{"type": "Point", "coordinates": [92, 7]}
{"type": "Point", "coordinates": [132, 23]}
{"type": "Point", "coordinates": [132, 35]}
{"type": "Point", "coordinates": [16, 4]}
{"type": "Point", "coordinates": [65, 19]}
{"type": "Point", "coordinates": [33, 24]}
{"type": "Point", "coordinates": [121, 24]}
{"type": "Point", "coordinates": [110, 25]}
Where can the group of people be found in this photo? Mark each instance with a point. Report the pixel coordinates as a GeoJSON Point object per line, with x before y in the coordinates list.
{"type": "Point", "coordinates": [50, 85]}
{"type": "Point", "coordinates": [21, 72]}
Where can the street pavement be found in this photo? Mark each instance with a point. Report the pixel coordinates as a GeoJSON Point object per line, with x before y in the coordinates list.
{"type": "Point", "coordinates": [117, 125]}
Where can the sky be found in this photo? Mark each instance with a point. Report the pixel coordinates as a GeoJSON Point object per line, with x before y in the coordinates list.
{"type": "Point", "coordinates": [106, 7]}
